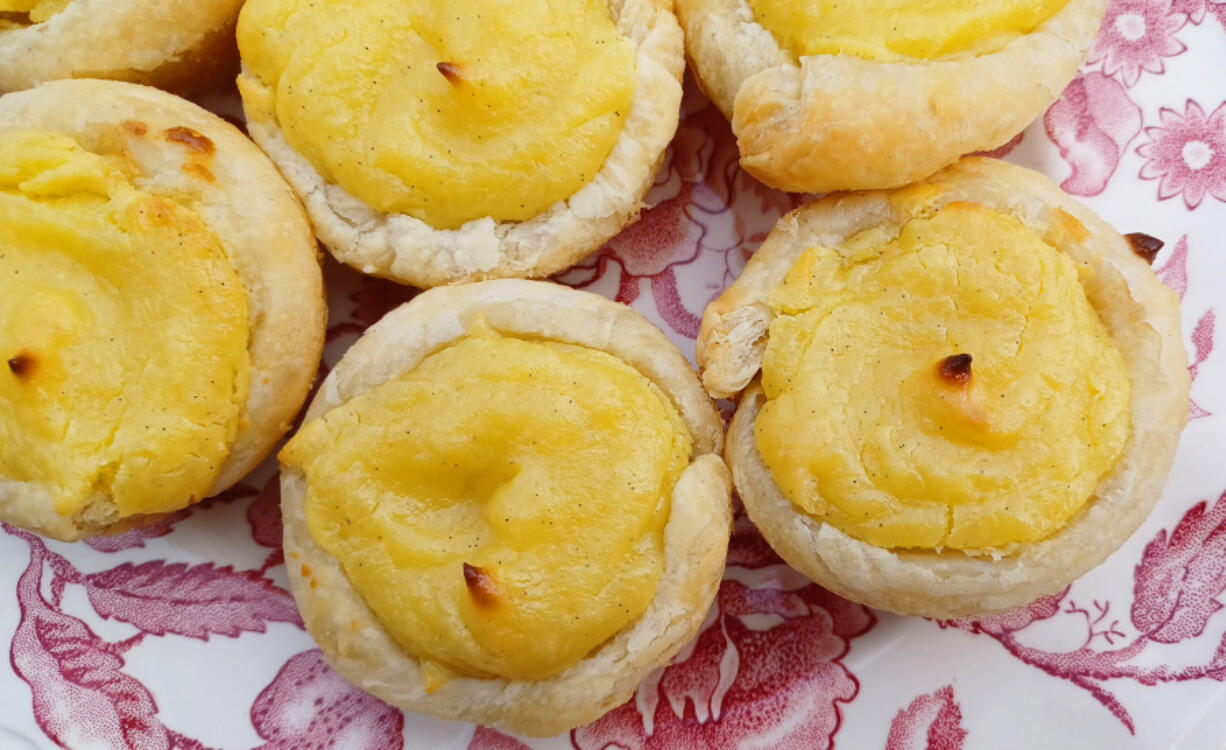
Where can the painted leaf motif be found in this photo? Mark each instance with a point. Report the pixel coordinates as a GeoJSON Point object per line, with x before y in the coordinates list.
{"type": "Point", "coordinates": [1202, 340]}
{"type": "Point", "coordinates": [1178, 579]}
{"type": "Point", "coordinates": [764, 672]}
{"type": "Point", "coordinates": [932, 721]}
{"type": "Point", "coordinates": [663, 235]}
{"type": "Point", "coordinates": [489, 739]}
{"type": "Point", "coordinates": [264, 515]}
{"type": "Point", "coordinates": [135, 538]}
{"type": "Point", "coordinates": [161, 598]}
{"type": "Point", "coordinates": [671, 308]}
{"type": "Point", "coordinates": [1092, 125]}
{"type": "Point", "coordinates": [1174, 273]}
{"type": "Point", "coordinates": [308, 706]}
{"type": "Point", "coordinates": [81, 697]}
{"type": "Point", "coordinates": [1012, 620]}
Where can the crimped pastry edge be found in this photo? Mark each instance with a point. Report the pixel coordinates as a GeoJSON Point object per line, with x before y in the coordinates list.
{"type": "Point", "coordinates": [837, 122]}
{"type": "Point", "coordinates": [696, 535]}
{"type": "Point", "coordinates": [258, 221]}
{"type": "Point", "coordinates": [183, 45]}
{"type": "Point", "coordinates": [408, 250]}
{"type": "Point", "coordinates": [1140, 313]}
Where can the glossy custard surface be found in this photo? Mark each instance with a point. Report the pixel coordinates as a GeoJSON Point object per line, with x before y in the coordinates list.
{"type": "Point", "coordinates": [894, 30]}
{"type": "Point", "coordinates": [950, 387]}
{"type": "Point", "coordinates": [500, 507]}
{"type": "Point", "coordinates": [447, 111]}
{"type": "Point", "coordinates": [123, 333]}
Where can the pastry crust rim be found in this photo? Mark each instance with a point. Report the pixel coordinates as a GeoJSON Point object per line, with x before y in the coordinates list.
{"type": "Point", "coordinates": [276, 259]}
{"type": "Point", "coordinates": [800, 122]}
{"type": "Point", "coordinates": [407, 250]}
{"type": "Point", "coordinates": [696, 534]}
{"type": "Point", "coordinates": [1141, 314]}
{"type": "Point", "coordinates": [186, 45]}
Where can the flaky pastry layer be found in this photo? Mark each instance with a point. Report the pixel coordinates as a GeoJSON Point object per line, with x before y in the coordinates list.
{"type": "Point", "coordinates": [194, 157]}
{"type": "Point", "coordinates": [183, 45]}
{"type": "Point", "coordinates": [1140, 314]}
{"type": "Point", "coordinates": [837, 122]}
{"type": "Point", "coordinates": [408, 250]}
{"type": "Point", "coordinates": [695, 537]}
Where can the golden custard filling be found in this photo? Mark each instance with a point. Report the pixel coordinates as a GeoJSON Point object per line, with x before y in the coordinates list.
{"type": "Point", "coordinates": [25, 12]}
{"type": "Point", "coordinates": [950, 387]}
{"type": "Point", "coordinates": [501, 507]}
{"type": "Point", "coordinates": [445, 111]}
{"type": "Point", "coordinates": [123, 329]}
{"type": "Point", "coordinates": [898, 30]}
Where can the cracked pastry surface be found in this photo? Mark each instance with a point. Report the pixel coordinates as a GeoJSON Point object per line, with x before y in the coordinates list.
{"type": "Point", "coordinates": [437, 143]}
{"type": "Point", "coordinates": [957, 397]}
{"type": "Point", "coordinates": [182, 45]}
{"type": "Point", "coordinates": [828, 96]}
{"type": "Point", "coordinates": [543, 515]}
{"type": "Point", "coordinates": [158, 339]}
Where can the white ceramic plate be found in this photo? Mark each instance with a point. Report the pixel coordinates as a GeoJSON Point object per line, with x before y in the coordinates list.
{"type": "Point", "coordinates": [182, 635]}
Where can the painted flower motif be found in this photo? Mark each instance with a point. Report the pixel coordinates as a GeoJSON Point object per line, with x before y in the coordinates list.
{"type": "Point", "coordinates": [703, 204]}
{"type": "Point", "coordinates": [931, 722]}
{"type": "Point", "coordinates": [1092, 125]}
{"type": "Point", "coordinates": [1177, 585]}
{"type": "Point", "coordinates": [1196, 9]}
{"type": "Point", "coordinates": [1136, 35]}
{"type": "Point", "coordinates": [766, 671]}
{"type": "Point", "coordinates": [1188, 154]}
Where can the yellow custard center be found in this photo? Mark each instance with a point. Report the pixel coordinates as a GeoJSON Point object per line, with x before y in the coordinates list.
{"type": "Point", "coordinates": [894, 30]}
{"type": "Point", "coordinates": [446, 111]}
{"type": "Point", "coordinates": [123, 333]}
{"type": "Point", "coordinates": [500, 507]}
{"type": "Point", "coordinates": [23, 12]}
{"type": "Point", "coordinates": [876, 425]}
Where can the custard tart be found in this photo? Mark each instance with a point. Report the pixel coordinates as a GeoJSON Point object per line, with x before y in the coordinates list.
{"type": "Point", "coordinates": [506, 505]}
{"type": "Point", "coordinates": [828, 96]}
{"type": "Point", "coordinates": [161, 306]}
{"type": "Point", "coordinates": [958, 396]}
{"type": "Point", "coordinates": [435, 142]}
{"type": "Point", "coordinates": [183, 45]}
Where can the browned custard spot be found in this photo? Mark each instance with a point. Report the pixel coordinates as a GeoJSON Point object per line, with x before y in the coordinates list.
{"type": "Point", "coordinates": [956, 368]}
{"type": "Point", "coordinates": [480, 585]}
{"type": "Point", "coordinates": [22, 365]}
{"type": "Point", "coordinates": [452, 72]}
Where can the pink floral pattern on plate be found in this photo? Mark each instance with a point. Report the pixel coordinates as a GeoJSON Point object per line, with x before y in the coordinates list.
{"type": "Point", "coordinates": [1136, 35]}
{"type": "Point", "coordinates": [1187, 154]}
{"type": "Point", "coordinates": [779, 663]}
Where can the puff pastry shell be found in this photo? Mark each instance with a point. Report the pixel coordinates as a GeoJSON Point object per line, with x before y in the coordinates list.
{"type": "Point", "coordinates": [408, 250]}
{"type": "Point", "coordinates": [1140, 314]}
{"type": "Point", "coordinates": [695, 537]}
{"type": "Point", "coordinates": [255, 217]}
{"type": "Point", "coordinates": [184, 45]}
{"type": "Point", "coordinates": [839, 122]}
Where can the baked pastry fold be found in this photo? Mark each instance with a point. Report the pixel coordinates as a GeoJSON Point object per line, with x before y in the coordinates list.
{"type": "Point", "coordinates": [181, 45]}
{"type": "Point", "coordinates": [193, 183]}
{"type": "Point", "coordinates": [410, 250]}
{"type": "Point", "coordinates": [1139, 314]}
{"type": "Point", "coordinates": [341, 618]}
{"type": "Point", "coordinates": [827, 122]}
